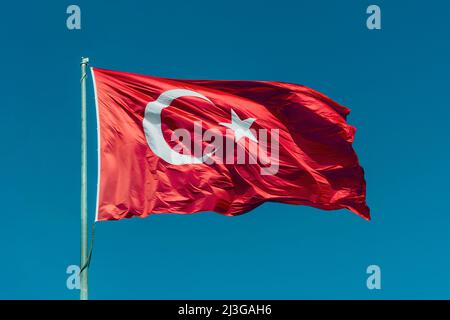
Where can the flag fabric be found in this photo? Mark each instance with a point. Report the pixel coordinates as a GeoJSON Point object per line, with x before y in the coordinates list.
{"type": "Point", "coordinates": [186, 146]}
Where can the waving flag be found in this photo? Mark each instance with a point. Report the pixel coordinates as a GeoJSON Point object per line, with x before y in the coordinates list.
{"type": "Point", "coordinates": [185, 146]}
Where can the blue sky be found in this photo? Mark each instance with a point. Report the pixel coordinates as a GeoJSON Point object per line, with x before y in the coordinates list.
{"type": "Point", "coordinates": [395, 80]}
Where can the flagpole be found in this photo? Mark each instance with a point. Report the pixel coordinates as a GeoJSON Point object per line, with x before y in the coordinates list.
{"type": "Point", "coordinates": [84, 226]}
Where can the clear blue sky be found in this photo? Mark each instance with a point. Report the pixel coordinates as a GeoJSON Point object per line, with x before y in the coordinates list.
{"type": "Point", "coordinates": [396, 81]}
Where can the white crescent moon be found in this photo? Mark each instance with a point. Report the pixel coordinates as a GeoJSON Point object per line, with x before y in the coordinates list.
{"type": "Point", "coordinates": [153, 131]}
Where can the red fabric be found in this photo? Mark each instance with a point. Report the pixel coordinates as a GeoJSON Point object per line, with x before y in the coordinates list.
{"type": "Point", "coordinates": [317, 165]}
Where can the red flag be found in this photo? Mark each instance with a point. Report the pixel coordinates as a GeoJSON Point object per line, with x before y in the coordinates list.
{"type": "Point", "coordinates": [184, 146]}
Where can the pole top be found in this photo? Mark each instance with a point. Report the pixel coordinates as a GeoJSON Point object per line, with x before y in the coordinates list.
{"type": "Point", "coordinates": [84, 60]}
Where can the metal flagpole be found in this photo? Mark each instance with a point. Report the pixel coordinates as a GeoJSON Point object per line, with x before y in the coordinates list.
{"type": "Point", "coordinates": [84, 226]}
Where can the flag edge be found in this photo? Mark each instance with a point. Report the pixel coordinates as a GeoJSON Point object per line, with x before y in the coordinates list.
{"type": "Point", "coordinates": [97, 208]}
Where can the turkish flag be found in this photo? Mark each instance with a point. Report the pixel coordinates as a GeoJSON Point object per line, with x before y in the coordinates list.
{"type": "Point", "coordinates": [184, 146]}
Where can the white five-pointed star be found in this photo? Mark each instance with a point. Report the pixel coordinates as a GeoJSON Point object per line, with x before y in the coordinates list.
{"type": "Point", "coordinates": [240, 127]}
